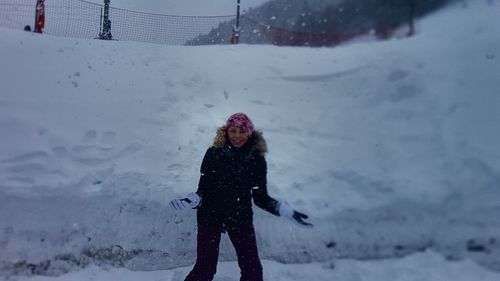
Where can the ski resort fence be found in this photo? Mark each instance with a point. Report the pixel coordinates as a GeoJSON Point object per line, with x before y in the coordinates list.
{"type": "Point", "coordinates": [82, 19]}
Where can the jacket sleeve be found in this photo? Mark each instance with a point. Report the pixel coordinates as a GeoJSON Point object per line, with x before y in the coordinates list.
{"type": "Point", "coordinates": [207, 171]}
{"type": "Point", "coordinates": [259, 192]}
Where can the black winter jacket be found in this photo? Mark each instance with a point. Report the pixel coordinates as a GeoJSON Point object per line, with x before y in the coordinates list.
{"type": "Point", "coordinates": [230, 178]}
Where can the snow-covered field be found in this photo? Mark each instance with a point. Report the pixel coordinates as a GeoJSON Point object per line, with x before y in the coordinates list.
{"type": "Point", "coordinates": [391, 148]}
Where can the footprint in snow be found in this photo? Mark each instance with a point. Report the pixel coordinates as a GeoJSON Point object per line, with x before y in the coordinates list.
{"type": "Point", "coordinates": [25, 169]}
{"type": "Point", "coordinates": [96, 148]}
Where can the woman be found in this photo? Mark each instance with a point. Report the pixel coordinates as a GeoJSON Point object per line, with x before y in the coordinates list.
{"type": "Point", "coordinates": [233, 172]}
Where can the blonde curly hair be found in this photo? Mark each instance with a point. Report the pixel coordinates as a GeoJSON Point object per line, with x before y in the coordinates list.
{"type": "Point", "coordinates": [260, 143]}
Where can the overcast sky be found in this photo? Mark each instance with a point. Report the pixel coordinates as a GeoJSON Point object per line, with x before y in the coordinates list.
{"type": "Point", "coordinates": [184, 7]}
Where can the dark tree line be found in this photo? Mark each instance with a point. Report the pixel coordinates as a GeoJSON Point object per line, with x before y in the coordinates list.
{"type": "Point", "coordinates": [324, 22]}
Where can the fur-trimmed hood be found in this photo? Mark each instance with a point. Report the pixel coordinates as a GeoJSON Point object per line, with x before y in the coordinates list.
{"type": "Point", "coordinates": [259, 143]}
{"type": "Point", "coordinates": [231, 178]}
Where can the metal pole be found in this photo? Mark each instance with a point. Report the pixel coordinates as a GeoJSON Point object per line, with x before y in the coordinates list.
{"type": "Point", "coordinates": [100, 23]}
{"type": "Point", "coordinates": [411, 18]}
{"type": "Point", "coordinates": [106, 26]}
{"type": "Point", "coordinates": [106, 23]}
{"type": "Point", "coordinates": [36, 16]}
{"type": "Point", "coordinates": [235, 36]}
{"type": "Point", "coordinates": [238, 15]}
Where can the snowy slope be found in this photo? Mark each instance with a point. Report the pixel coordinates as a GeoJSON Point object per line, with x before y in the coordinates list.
{"type": "Point", "coordinates": [389, 146]}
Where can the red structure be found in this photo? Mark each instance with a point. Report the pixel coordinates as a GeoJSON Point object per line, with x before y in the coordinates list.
{"type": "Point", "coordinates": [284, 37]}
{"type": "Point", "coordinates": [235, 36]}
{"type": "Point", "coordinates": [39, 16]}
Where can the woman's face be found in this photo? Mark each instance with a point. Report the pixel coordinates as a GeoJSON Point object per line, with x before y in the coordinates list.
{"type": "Point", "coordinates": [237, 136]}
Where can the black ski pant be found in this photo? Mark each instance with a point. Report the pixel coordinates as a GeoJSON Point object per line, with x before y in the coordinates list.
{"type": "Point", "coordinates": [245, 244]}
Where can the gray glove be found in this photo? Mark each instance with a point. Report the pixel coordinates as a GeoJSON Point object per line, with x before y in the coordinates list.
{"type": "Point", "coordinates": [191, 201]}
{"type": "Point", "coordinates": [296, 217]}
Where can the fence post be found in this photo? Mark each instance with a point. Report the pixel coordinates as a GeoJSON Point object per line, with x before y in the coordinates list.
{"type": "Point", "coordinates": [39, 16]}
{"type": "Point", "coordinates": [235, 36]}
{"type": "Point", "coordinates": [105, 34]}
{"type": "Point", "coordinates": [411, 18]}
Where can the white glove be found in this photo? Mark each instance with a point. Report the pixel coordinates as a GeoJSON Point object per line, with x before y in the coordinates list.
{"type": "Point", "coordinates": [296, 217]}
{"type": "Point", "coordinates": [191, 201]}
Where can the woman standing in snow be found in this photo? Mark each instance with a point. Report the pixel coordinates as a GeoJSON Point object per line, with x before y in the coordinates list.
{"type": "Point", "coordinates": [233, 172]}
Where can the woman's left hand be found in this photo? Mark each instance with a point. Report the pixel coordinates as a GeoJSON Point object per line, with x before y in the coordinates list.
{"type": "Point", "coordinates": [296, 217]}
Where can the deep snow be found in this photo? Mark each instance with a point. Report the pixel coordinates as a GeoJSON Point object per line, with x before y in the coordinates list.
{"type": "Point", "coordinates": [390, 147]}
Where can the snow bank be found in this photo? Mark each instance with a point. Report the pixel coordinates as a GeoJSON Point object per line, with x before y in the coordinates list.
{"type": "Point", "coordinates": [423, 266]}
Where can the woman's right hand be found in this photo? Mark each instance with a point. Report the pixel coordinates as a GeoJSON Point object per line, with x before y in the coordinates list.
{"type": "Point", "coordinates": [191, 201]}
